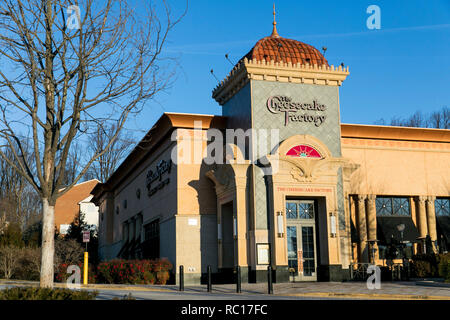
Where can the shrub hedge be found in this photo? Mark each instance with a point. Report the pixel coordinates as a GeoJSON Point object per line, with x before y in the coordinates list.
{"type": "Point", "coordinates": [424, 266]}
{"type": "Point", "coordinates": [122, 272]}
{"type": "Point", "coordinates": [46, 294]}
{"type": "Point", "coordinates": [61, 274]}
{"type": "Point", "coordinates": [431, 265]}
{"type": "Point", "coordinates": [134, 271]}
{"type": "Point", "coordinates": [444, 266]}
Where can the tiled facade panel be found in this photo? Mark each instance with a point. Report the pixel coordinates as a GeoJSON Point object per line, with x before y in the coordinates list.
{"type": "Point", "coordinates": [238, 109]}
{"type": "Point", "coordinates": [328, 132]}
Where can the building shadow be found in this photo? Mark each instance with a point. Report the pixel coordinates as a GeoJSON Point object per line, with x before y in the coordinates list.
{"type": "Point", "coordinates": [207, 202]}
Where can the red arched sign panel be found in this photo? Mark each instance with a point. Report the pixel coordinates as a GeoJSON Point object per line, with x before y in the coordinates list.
{"type": "Point", "coordinates": [303, 151]}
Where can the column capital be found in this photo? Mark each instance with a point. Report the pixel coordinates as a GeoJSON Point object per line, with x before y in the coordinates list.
{"type": "Point", "coordinates": [371, 197]}
{"type": "Point", "coordinates": [421, 199]}
{"type": "Point", "coordinates": [361, 197]}
{"type": "Point", "coordinates": [431, 198]}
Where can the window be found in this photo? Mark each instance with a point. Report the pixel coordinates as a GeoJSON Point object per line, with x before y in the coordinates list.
{"type": "Point", "coordinates": [309, 266]}
{"type": "Point", "coordinates": [291, 210]}
{"type": "Point", "coordinates": [291, 232]}
{"type": "Point", "coordinates": [303, 151]}
{"type": "Point", "coordinates": [306, 210]}
{"type": "Point", "coordinates": [442, 207]}
{"type": "Point", "coordinates": [392, 206]}
{"type": "Point", "coordinates": [64, 229]}
{"type": "Point", "coordinates": [303, 209]}
{"type": "Point", "coordinates": [395, 227]}
{"type": "Point", "coordinates": [151, 243]}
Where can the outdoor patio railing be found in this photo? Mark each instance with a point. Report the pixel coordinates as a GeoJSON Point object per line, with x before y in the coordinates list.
{"type": "Point", "coordinates": [358, 271]}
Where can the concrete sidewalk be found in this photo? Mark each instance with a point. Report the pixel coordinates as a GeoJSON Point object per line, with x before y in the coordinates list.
{"type": "Point", "coordinates": [415, 290]}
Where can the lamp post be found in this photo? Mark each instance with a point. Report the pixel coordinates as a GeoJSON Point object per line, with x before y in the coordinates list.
{"type": "Point", "coordinates": [401, 228]}
{"type": "Point", "coordinates": [372, 249]}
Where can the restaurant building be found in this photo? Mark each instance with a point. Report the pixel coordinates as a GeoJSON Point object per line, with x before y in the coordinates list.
{"type": "Point", "coordinates": [320, 197]}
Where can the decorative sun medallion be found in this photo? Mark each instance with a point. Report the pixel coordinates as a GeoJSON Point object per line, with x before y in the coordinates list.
{"type": "Point", "coordinates": [303, 151]}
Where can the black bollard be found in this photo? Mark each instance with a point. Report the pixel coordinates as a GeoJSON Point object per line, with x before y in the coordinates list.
{"type": "Point", "coordinates": [181, 278]}
{"type": "Point", "coordinates": [269, 280]}
{"type": "Point", "coordinates": [238, 279]}
{"type": "Point", "coordinates": [209, 278]}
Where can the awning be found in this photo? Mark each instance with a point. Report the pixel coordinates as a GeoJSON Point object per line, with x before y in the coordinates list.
{"type": "Point", "coordinates": [387, 230]}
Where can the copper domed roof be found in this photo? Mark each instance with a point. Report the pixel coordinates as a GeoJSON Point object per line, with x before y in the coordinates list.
{"type": "Point", "coordinates": [285, 50]}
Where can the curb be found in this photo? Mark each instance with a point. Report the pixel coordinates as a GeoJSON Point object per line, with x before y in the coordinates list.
{"type": "Point", "coordinates": [127, 288]}
{"type": "Point", "coordinates": [368, 296]}
{"type": "Point", "coordinates": [82, 286]}
{"type": "Point", "coordinates": [433, 284]}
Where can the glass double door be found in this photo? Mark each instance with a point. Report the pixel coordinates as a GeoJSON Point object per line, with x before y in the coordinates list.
{"type": "Point", "coordinates": [301, 239]}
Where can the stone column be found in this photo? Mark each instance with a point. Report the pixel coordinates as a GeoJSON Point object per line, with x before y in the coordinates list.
{"type": "Point", "coordinates": [372, 226]}
{"type": "Point", "coordinates": [422, 216]}
{"type": "Point", "coordinates": [362, 228]}
{"type": "Point", "coordinates": [371, 218]}
{"type": "Point", "coordinates": [431, 219]}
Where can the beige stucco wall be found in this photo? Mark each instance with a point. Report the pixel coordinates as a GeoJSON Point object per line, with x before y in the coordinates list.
{"type": "Point", "coordinates": [390, 167]}
{"type": "Point", "coordinates": [196, 194]}
{"type": "Point", "coordinates": [189, 206]}
{"type": "Point", "coordinates": [416, 169]}
{"type": "Point", "coordinates": [196, 225]}
{"type": "Point", "coordinates": [162, 204]}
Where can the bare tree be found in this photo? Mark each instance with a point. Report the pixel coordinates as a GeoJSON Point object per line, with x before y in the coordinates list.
{"type": "Point", "coordinates": [19, 202]}
{"type": "Point", "coordinates": [446, 118]}
{"type": "Point", "coordinates": [72, 164]}
{"type": "Point", "coordinates": [9, 260]}
{"type": "Point", "coordinates": [396, 121]}
{"type": "Point", "coordinates": [416, 120]}
{"type": "Point", "coordinates": [439, 119]}
{"type": "Point", "coordinates": [106, 164]}
{"type": "Point", "coordinates": [65, 70]}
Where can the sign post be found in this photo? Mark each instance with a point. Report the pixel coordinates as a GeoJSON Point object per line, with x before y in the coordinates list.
{"type": "Point", "coordinates": [86, 238]}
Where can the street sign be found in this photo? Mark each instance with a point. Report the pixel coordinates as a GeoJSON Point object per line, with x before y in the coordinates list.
{"type": "Point", "coordinates": [86, 236]}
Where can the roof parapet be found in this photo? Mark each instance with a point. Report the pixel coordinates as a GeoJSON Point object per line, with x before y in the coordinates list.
{"type": "Point", "coordinates": [247, 70]}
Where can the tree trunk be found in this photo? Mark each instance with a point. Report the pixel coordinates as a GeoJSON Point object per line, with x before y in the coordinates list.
{"type": "Point", "coordinates": [48, 244]}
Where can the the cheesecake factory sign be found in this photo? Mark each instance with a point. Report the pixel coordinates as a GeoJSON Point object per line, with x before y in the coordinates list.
{"type": "Point", "coordinates": [296, 111]}
{"type": "Point", "coordinates": [156, 175]}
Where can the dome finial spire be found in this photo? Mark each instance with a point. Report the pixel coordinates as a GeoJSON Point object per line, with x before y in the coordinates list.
{"type": "Point", "coordinates": [274, 31]}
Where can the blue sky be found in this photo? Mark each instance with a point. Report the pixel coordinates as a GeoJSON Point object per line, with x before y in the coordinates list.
{"type": "Point", "coordinates": [394, 71]}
